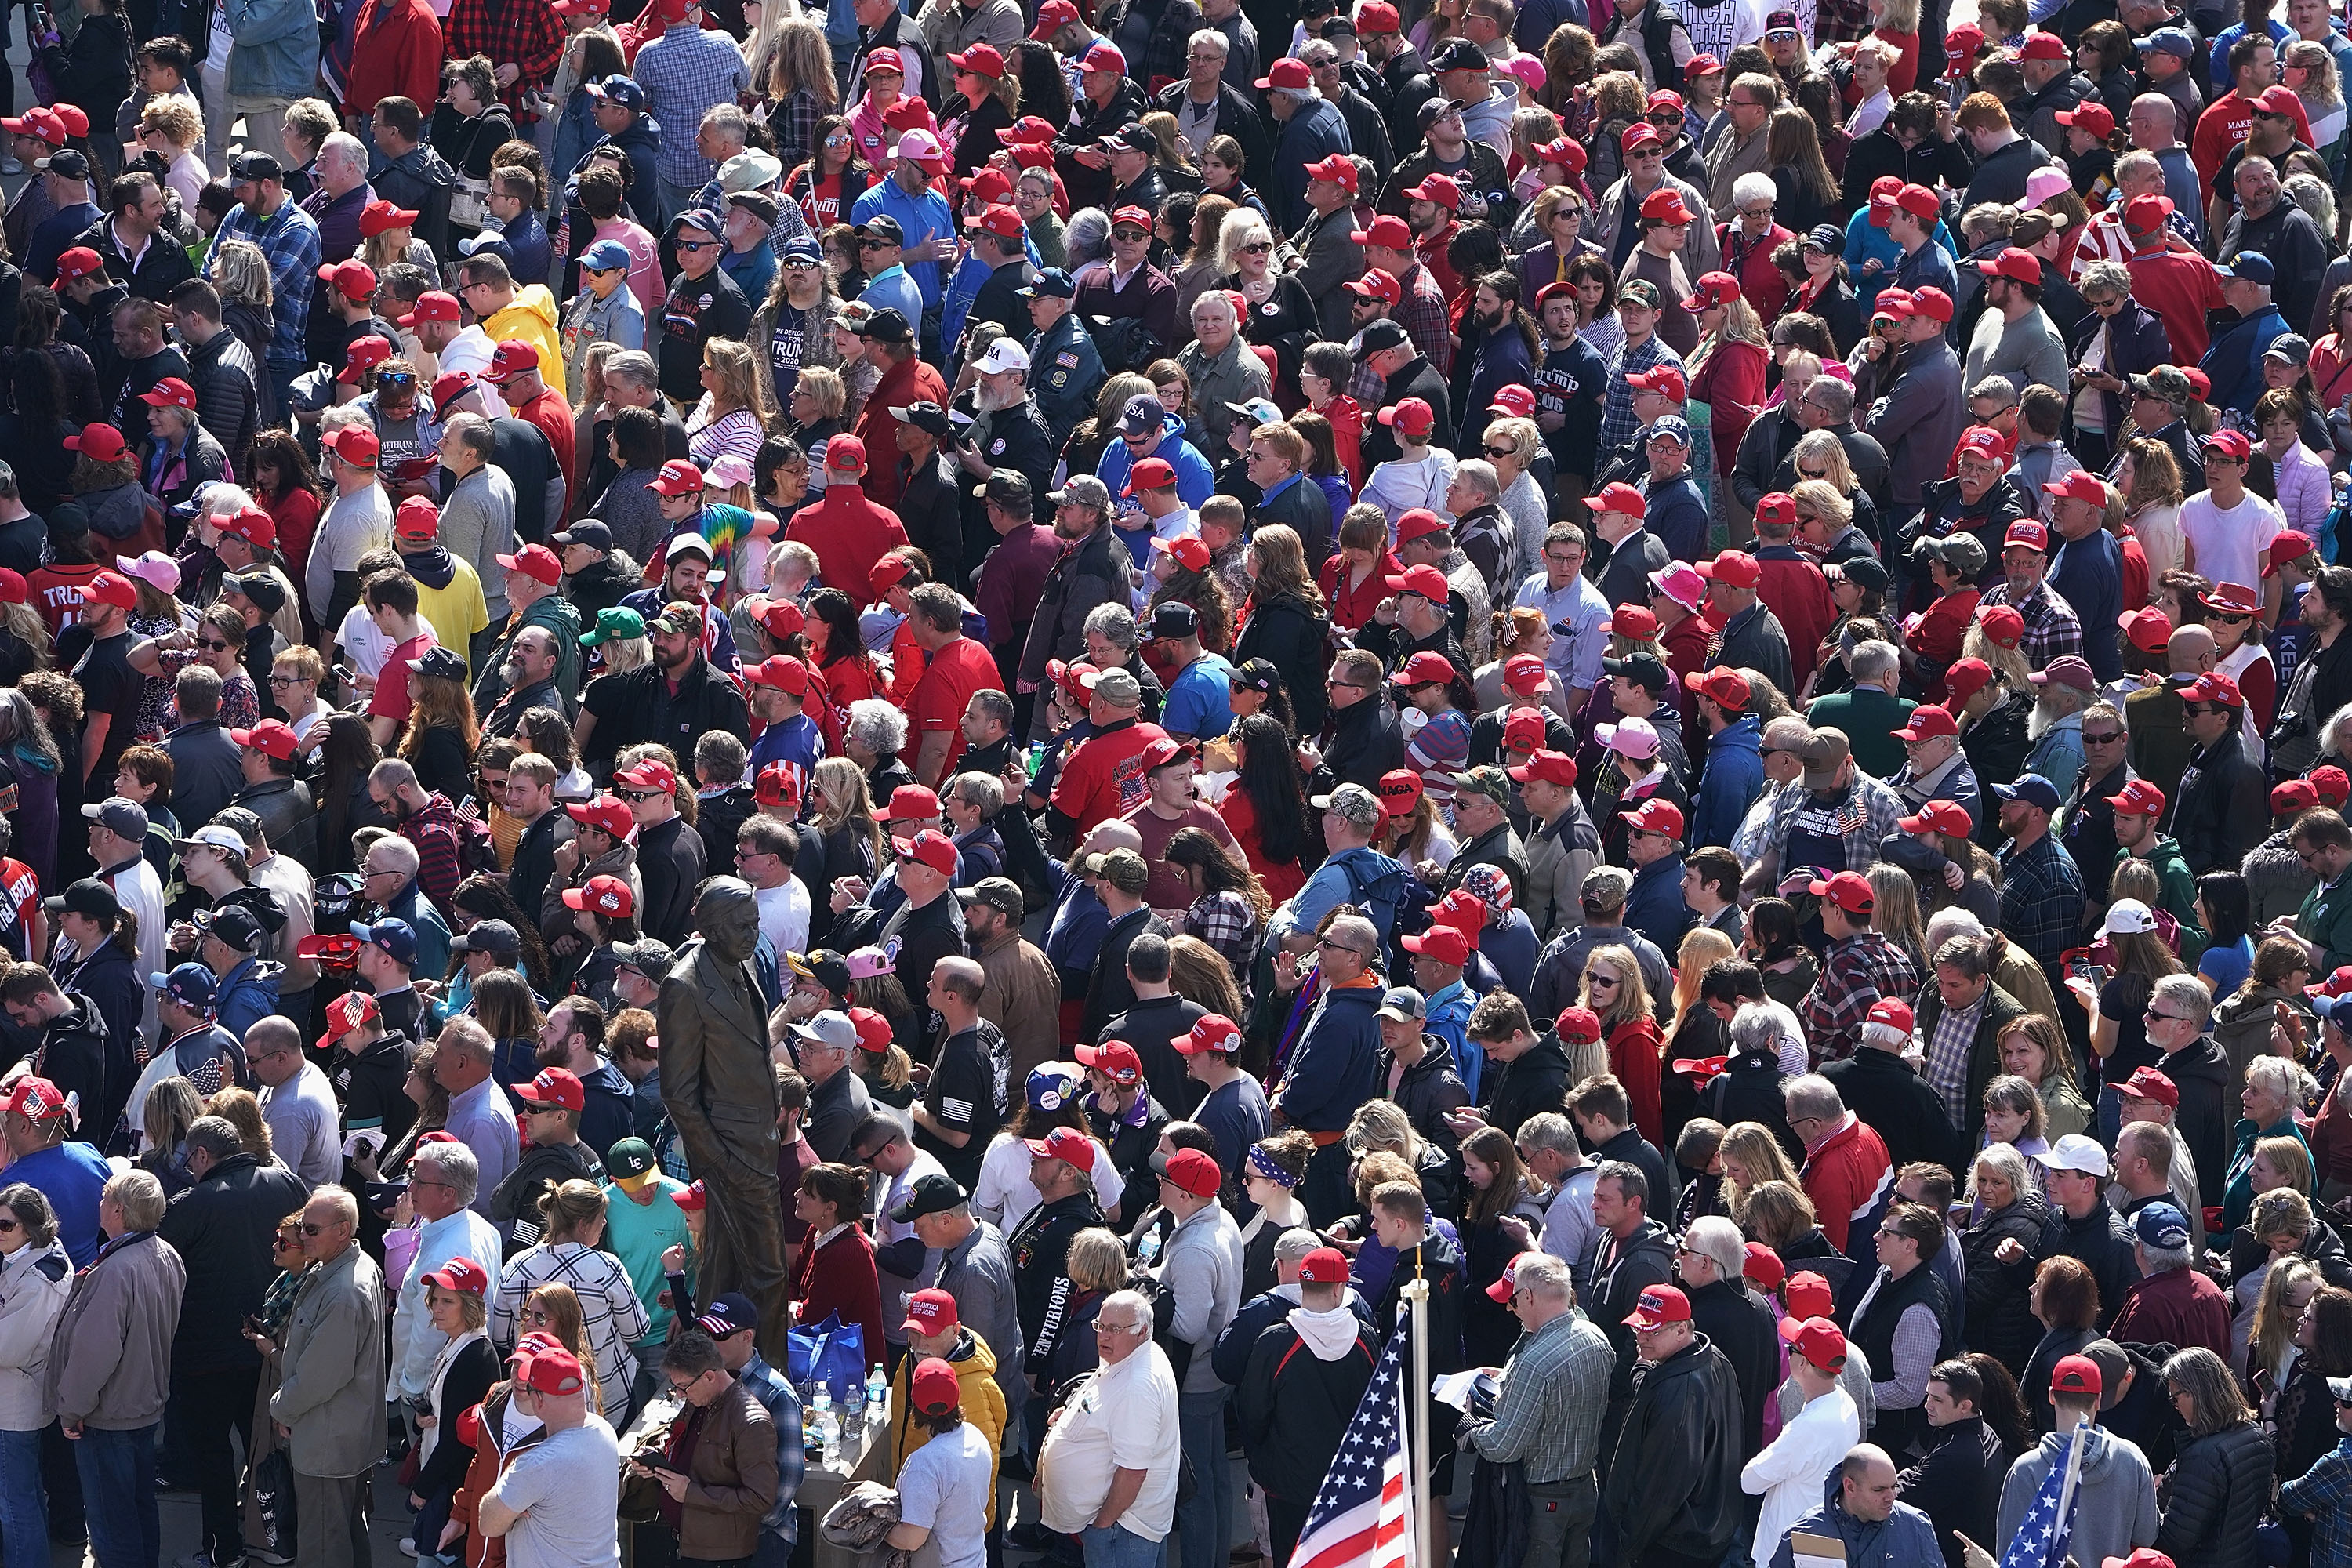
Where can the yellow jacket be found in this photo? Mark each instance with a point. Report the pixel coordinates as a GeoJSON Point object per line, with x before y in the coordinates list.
{"type": "Point", "coordinates": [532, 317]}
{"type": "Point", "coordinates": [983, 1406]}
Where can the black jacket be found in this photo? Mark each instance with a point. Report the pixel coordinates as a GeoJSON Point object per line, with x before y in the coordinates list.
{"type": "Point", "coordinates": [288, 819]}
{"type": "Point", "coordinates": [2222, 809]}
{"type": "Point", "coordinates": [1537, 1082]}
{"type": "Point", "coordinates": [644, 709]}
{"type": "Point", "coordinates": [1609, 1279]}
{"type": "Point", "coordinates": [1238, 118]}
{"type": "Point", "coordinates": [1958, 1484]}
{"type": "Point", "coordinates": [2208, 1107]}
{"type": "Point", "coordinates": [1289, 635]}
{"type": "Point", "coordinates": [2322, 1248]}
{"type": "Point", "coordinates": [2102, 1241]}
{"type": "Point", "coordinates": [1293, 1407]}
{"type": "Point", "coordinates": [1748, 1089]}
{"type": "Point", "coordinates": [369, 1085]}
{"type": "Point", "coordinates": [534, 858]}
{"type": "Point", "coordinates": [669, 858]}
{"type": "Point", "coordinates": [1040, 1245]}
{"type": "Point", "coordinates": [2000, 1320]}
{"type": "Point", "coordinates": [1441, 1262]}
{"type": "Point", "coordinates": [1427, 1090]}
{"type": "Point", "coordinates": [542, 1165]}
{"type": "Point", "coordinates": [1907, 1114]}
{"type": "Point", "coordinates": [1741, 1324]}
{"type": "Point", "coordinates": [223, 1228]}
{"type": "Point", "coordinates": [227, 384]}
{"type": "Point", "coordinates": [1674, 1481]}
{"type": "Point", "coordinates": [2214, 1495]}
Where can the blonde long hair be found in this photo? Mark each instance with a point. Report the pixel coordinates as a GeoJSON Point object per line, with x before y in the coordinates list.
{"type": "Point", "coordinates": [1704, 946]}
{"type": "Point", "coordinates": [1759, 1153]}
{"type": "Point", "coordinates": [1633, 999]}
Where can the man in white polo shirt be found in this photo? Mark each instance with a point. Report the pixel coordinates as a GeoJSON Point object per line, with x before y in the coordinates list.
{"type": "Point", "coordinates": [1106, 1473]}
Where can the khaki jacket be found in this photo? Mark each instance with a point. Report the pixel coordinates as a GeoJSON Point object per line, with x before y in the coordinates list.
{"type": "Point", "coordinates": [1023, 997]}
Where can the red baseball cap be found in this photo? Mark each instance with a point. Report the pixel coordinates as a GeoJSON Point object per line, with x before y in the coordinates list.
{"type": "Point", "coordinates": [1426, 581]}
{"type": "Point", "coordinates": [1377, 284]}
{"type": "Point", "coordinates": [2019, 266]}
{"type": "Point", "coordinates": [81, 261]}
{"type": "Point", "coordinates": [1151, 474]}
{"type": "Point", "coordinates": [172, 393]}
{"type": "Point", "coordinates": [537, 561]}
{"type": "Point", "coordinates": [1212, 1034]}
{"type": "Point", "coordinates": [554, 1086]}
{"type": "Point", "coordinates": [1577, 1027]}
{"type": "Point", "coordinates": [2044, 47]}
{"type": "Point", "coordinates": [1066, 1144]}
{"type": "Point", "coordinates": [1388, 231]}
{"type": "Point", "coordinates": [1400, 792]}
{"type": "Point", "coordinates": [1667, 379]}
{"type": "Point", "coordinates": [2230, 444]}
{"type": "Point", "coordinates": [1191, 1170]}
{"type": "Point", "coordinates": [1656, 815]}
{"type": "Point", "coordinates": [1425, 667]}
{"type": "Point", "coordinates": [932, 848]}
{"type": "Point", "coordinates": [552, 1371]}
{"type": "Point", "coordinates": [783, 672]}
{"type": "Point", "coordinates": [1325, 1266]}
{"type": "Point", "coordinates": [2091, 117]}
{"type": "Point", "coordinates": [1818, 1340]}
{"type": "Point", "coordinates": [680, 477]}
{"type": "Point", "coordinates": [1665, 205]}
{"type": "Point", "coordinates": [2000, 624]}
{"type": "Point", "coordinates": [1919, 202]}
{"type": "Point", "coordinates": [101, 442]}
{"type": "Point", "coordinates": [1724, 686]}
{"type": "Point", "coordinates": [606, 813]}
{"type": "Point", "coordinates": [2028, 534]}
{"type": "Point", "coordinates": [253, 525]}
{"type": "Point", "coordinates": [1444, 190]}
{"type": "Point", "coordinates": [1939, 816]}
{"type": "Point", "coordinates": [461, 1277]}
{"type": "Point", "coordinates": [111, 588]}
{"type": "Point", "coordinates": [1052, 17]}
{"type": "Point", "coordinates": [2148, 629]}
{"type": "Point", "coordinates": [1287, 73]}
{"type": "Point", "coordinates": [602, 896]}
{"type": "Point", "coordinates": [1551, 767]}
{"type": "Point", "coordinates": [931, 1311]}
{"type": "Point", "coordinates": [1419, 522]}
{"type": "Point", "coordinates": [2075, 1375]}
{"type": "Point", "coordinates": [1849, 891]}
{"type": "Point", "coordinates": [433, 305]}
{"type": "Point", "coordinates": [2140, 798]}
{"type": "Point", "coordinates": [1412, 417]}
{"type": "Point", "coordinates": [1525, 730]}
{"type": "Point", "coordinates": [2334, 785]}
{"type": "Point", "coordinates": [1713, 289]}
{"type": "Point", "coordinates": [1620, 496]}
{"type": "Point", "coordinates": [1659, 1305]}
{"type": "Point", "coordinates": [1440, 944]}
{"type": "Point", "coordinates": [355, 445]}
{"type": "Point", "coordinates": [1893, 1011]}
{"type": "Point", "coordinates": [1502, 1290]}
{"type": "Point", "coordinates": [2213, 687]}
{"type": "Point", "coordinates": [1928, 723]}
{"type": "Point", "coordinates": [2292, 797]}
{"type": "Point", "coordinates": [1116, 1058]}
{"type": "Point", "coordinates": [1524, 674]}
{"type": "Point", "coordinates": [2147, 1083]}
{"type": "Point", "coordinates": [353, 280]}
{"type": "Point", "coordinates": [1736, 567]}
{"type": "Point", "coordinates": [1378, 16]}
{"type": "Point", "coordinates": [1339, 168]}
{"type": "Point", "coordinates": [271, 737]}
{"type": "Point", "coordinates": [1932, 303]}
{"type": "Point", "coordinates": [352, 1010]}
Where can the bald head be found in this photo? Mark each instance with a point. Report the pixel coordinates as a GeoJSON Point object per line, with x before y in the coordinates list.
{"type": "Point", "coordinates": [2189, 650]}
{"type": "Point", "coordinates": [1114, 835]}
{"type": "Point", "coordinates": [1866, 1482]}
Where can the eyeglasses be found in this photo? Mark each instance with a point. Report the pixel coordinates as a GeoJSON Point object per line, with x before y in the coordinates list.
{"type": "Point", "coordinates": [534, 1315]}
{"type": "Point", "coordinates": [286, 679]}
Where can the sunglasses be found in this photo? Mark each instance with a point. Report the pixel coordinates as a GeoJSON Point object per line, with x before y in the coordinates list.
{"type": "Point", "coordinates": [877, 245]}
{"type": "Point", "coordinates": [1258, 248]}
{"type": "Point", "coordinates": [1502, 451]}
{"type": "Point", "coordinates": [2106, 739]}
{"type": "Point", "coordinates": [1131, 235]}
{"type": "Point", "coordinates": [2153, 1017]}
{"type": "Point", "coordinates": [400, 379]}
{"type": "Point", "coordinates": [697, 245]}
{"type": "Point", "coordinates": [215, 647]}
{"type": "Point", "coordinates": [534, 1314]}
{"type": "Point", "coordinates": [8, 1226]}
{"type": "Point", "coordinates": [1812, 473]}
{"type": "Point", "coordinates": [1603, 982]}
{"type": "Point", "coordinates": [312, 1227]}
{"type": "Point", "coordinates": [640, 795]}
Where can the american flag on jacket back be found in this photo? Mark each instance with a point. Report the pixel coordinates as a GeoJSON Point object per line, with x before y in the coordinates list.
{"type": "Point", "coordinates": [1363, 1516]}
{"type": "Point", "coordinates": [2042, 1534]}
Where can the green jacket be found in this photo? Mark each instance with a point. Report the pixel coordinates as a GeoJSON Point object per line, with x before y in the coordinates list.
{"type": "Point", "coordinates": [2326, 920]}
{"type": "Point", "coordinates": [1869, 717]}
{"type": "Point", "coordinates": [2177, 896]}
{"type": "Point", "coordinates": [559, 615]}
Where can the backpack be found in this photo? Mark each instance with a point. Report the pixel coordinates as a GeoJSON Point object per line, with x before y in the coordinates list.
{"type": "Point", "coordinates": [477, 851]}
{"type": "Point", "coordinates": [1124, 342]}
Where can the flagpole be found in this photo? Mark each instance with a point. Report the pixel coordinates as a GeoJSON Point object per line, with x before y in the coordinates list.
{"type": "Point", "coordinates": [1418, 1484]}
{"type": "Point", "coordinates": [2073, 1469]}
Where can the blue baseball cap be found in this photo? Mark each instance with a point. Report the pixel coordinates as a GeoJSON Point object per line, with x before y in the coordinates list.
{"type": "Point", "coordinates": [2252, 265]}
{"type": "Point", "coordinates": [2033, 790]}
{"type": "Point", "coordinates": [804, 250]}
{"type": "Point", "coordinates": [2171, 41]}
{"type": "Point", "coordinates": [189, 984]}
{"type": "Point", "coordinates": [621, 90]}
{"type": "Point", "coordinates": [2161, 1224]}
{"type": "Point", "coordinates": [396, 937]}
{"type": "Point", "coordinates": [605, 256]}
{"type": "Point", "coordinates": [1053, 283]}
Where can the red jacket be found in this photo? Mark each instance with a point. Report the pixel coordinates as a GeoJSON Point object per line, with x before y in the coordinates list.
{"type": "Point", "coordinates": [395, 53]}
{"type": "Point", "coordinates": [1731, 384]}
{"type": "Point", "coordinates": [1352, 606]}
{"type": "Point", "coordinates": [1634, 1050]}
{"type": "Point", "coordinates": [552, 415]}
{"type": "Point", "coordinates": [1937, 636]}
{"type": "Point", "coordinates": [901, 386]}
{"type": "Point", "coordinates": [839, 1278]}
{"type": "Point", "coordinates": [1751, 261]}
{"type": "Point", "coordinates": [1794, 589]}
{"type": "Point", "coordinates": [2179, 1307]}
{"type": "Point", "coordinates": [849, 532]}
{"type": "Point", "coordinates": [1848, 1178]}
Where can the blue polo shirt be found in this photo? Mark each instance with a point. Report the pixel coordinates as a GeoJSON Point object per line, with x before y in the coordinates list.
{"type": "Point", "coordinates": [927, 217]}
{"type": "Point", "coordinates": [70, 1176]}
{"type": "Point", "coordinates": [1200, 700]}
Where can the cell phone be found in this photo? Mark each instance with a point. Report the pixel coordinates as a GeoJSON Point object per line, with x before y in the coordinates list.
{"type": "Point", "coordinates": [253, 1325]}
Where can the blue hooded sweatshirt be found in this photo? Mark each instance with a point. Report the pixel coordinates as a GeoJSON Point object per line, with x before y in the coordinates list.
{"type": "Point", "coordinates": [1734, 778]}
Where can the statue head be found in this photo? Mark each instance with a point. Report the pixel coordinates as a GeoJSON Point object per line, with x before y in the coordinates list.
{"type": "Point", "coordinates": [727, 912]}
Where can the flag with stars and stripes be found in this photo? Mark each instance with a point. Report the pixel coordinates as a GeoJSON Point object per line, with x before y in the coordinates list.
{"type": "Point", "coordinates": [1364, 1515]}
{"type": "Point", "coordinates": [2042, 1536]}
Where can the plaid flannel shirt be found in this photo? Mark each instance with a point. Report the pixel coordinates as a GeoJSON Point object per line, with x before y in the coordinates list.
{"type": "Point", "coordinates": [2324, 1492]}
{"type": "Point", "coordinates": [525, 33]}
{"type": "Point", "coordinates": [686, 73]}
{"type": "Point", "coordinates": [1857, 973]}
{"type": "Point", "coordinates": [433, 830]}
{"type": "Point", "coordinates": [1226, 923]}
{"type": "Point", "coordinates": [1868, 814]}
{"type": "Point", "coordinates": [1950, 1048]}
{"type": "Point", "coordinates": [2052, 626]}
{"type": "Point", "coordinates": [289, 240]}
{"type": "Point", "coordinates": [1555, 1390]}
{"type": "Point", "coordinates": [1617, 421]}
{"type": "Point", "coordinates": [776, 1394]}
{"type": "Point", "coordinates": [1425, 318]}
{"type": "Point", "coordinates": [2041, 898]}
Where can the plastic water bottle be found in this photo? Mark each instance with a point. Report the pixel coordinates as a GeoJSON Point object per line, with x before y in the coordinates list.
{"type": "Point", "coordinates": [1146, 1251]}
{"type": "Point", "coordinates": [877, 1396]}
{"type": "Point", "coordinates": [828, 1424]}
{"type": "Point", "coordinates": [853, 1404]}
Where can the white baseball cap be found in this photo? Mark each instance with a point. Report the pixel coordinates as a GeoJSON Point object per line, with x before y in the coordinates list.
{"type": "Point", "coordinates": [2128, 917]}
{"type": "Point", "coordinates": [1003, 355]}
{"type": "Point", "coordinates": [2075, 1153]}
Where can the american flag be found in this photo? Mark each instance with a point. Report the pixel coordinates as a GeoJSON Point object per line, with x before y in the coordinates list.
{"type": "Point", "coordinates": [2042, 1535]}
{"type": "Point", "coordinates": [1363, 1516]}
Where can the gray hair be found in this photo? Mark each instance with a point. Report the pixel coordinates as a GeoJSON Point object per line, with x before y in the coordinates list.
{"type": "Point", "coordinates": [1209, 38]}
{"type": "Point", "coordinates": [2189, 994]}
{"type": "Point", "coordinates": [8, 482]}
{"type": "Point", "coordinates": [2310, 192]}
{"type": "Point", "coordinates": [1299, 97]}
{"type": "Point", "coordinates": [1295, 1244]}
{"type": "Point", "coordinates": [215, 1135]}
{"type": "Point", "coordinates": [1549, 1130]}
{"type": "Point", "coordinates": [1813, 1095]}
{"type": "Point", "coordinates": [1113, 621]}
{"type": "Point", "coordinates": [1718, 1241]}
{"type": "Point", "coordinates": [2277, 1076]}
{"type": "Point", "coordinates": [2106, 277]}
{"type": "Point", "coordinates": [401, 854]}
{"type": "Point", "coordinates": [1871, 659]}
{"type": "Point", "coordinates": [2004, 1159]}
{"type": "Point", "coordinates": [1949, 923]}
{"type": "Point", "coordinates": [1212, 302]}
{"type": "Point", "coordinates": [729, 118]}
{"type": "Point", "coordinates": [1134, 1304]}
{"type": "Point", "coordinates": [473, 432]}
{"type": "Point", "coordinates": [1086, 235]}
{"type": "Point", "coordinates": [1545, 1277]}
{"type": "Point", "coordinates": [465, 1034]}
{"type": "Point", "coordinates": [2165, 1259]}
{"type": "Point", "coordinates": [343, 144]}
{"type": "Point", "coordinates": [1757, 1028]}
{"type": "Point", "coordinates": [878, 726]}
{"type": "Point", "coordinates": [1754, 187]}
{"type": "Point", "coordinates": [1834, 396]}
{"type": "Point", "coordinates": [635, 367]}
{"type": "Point", "coordinates": [1358, 933]}
{"type": "Point", "coordinates": [456, 1165]}
{"type": "Point", "coordinates": [139, 1196]}
{"type": "Point", "coordinates": [1480, 475]}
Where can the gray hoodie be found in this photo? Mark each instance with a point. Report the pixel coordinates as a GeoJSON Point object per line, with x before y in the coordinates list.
{"type": "Point", "coordinates": [2117, 1495]}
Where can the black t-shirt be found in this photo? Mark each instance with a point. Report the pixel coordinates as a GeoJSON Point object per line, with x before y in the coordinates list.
{"type": "Point", "coordinates": [966, 1087]}
{"type": "Point", "coordinates": [109, 686]}
{"type": "Point", "coordinates": [697, 309]}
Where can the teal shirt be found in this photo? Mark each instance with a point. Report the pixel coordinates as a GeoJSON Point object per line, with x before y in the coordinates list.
{"type": "Point", "coordinates": [637, 1234]}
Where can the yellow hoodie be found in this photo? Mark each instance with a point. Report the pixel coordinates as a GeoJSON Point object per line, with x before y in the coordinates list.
{"type": "Point", "coordinates": [983, 1406]}
{"type": "Point", "coordinates": [532, 317]}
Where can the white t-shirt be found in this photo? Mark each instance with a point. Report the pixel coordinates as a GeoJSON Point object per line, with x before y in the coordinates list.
{"type": "Point", "coordinates": [2228, 542]}
{"type": "Point", "coordinates": [1005, 1194]}
{"type": "Point", "coordinates": [568, 1491]}
{"type": "Point", "coordinates": [365, 647]}
{"type": "Point", "coordinates": [1124, 1419]}
{"type": "Point", "coordinates": [943, 1487]}
{"type": "Point", "coordinates": [784, 915]}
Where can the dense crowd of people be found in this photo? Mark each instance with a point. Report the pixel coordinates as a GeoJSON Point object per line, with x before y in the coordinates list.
{"type": "Point", "coordinates": [1679, 673]}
